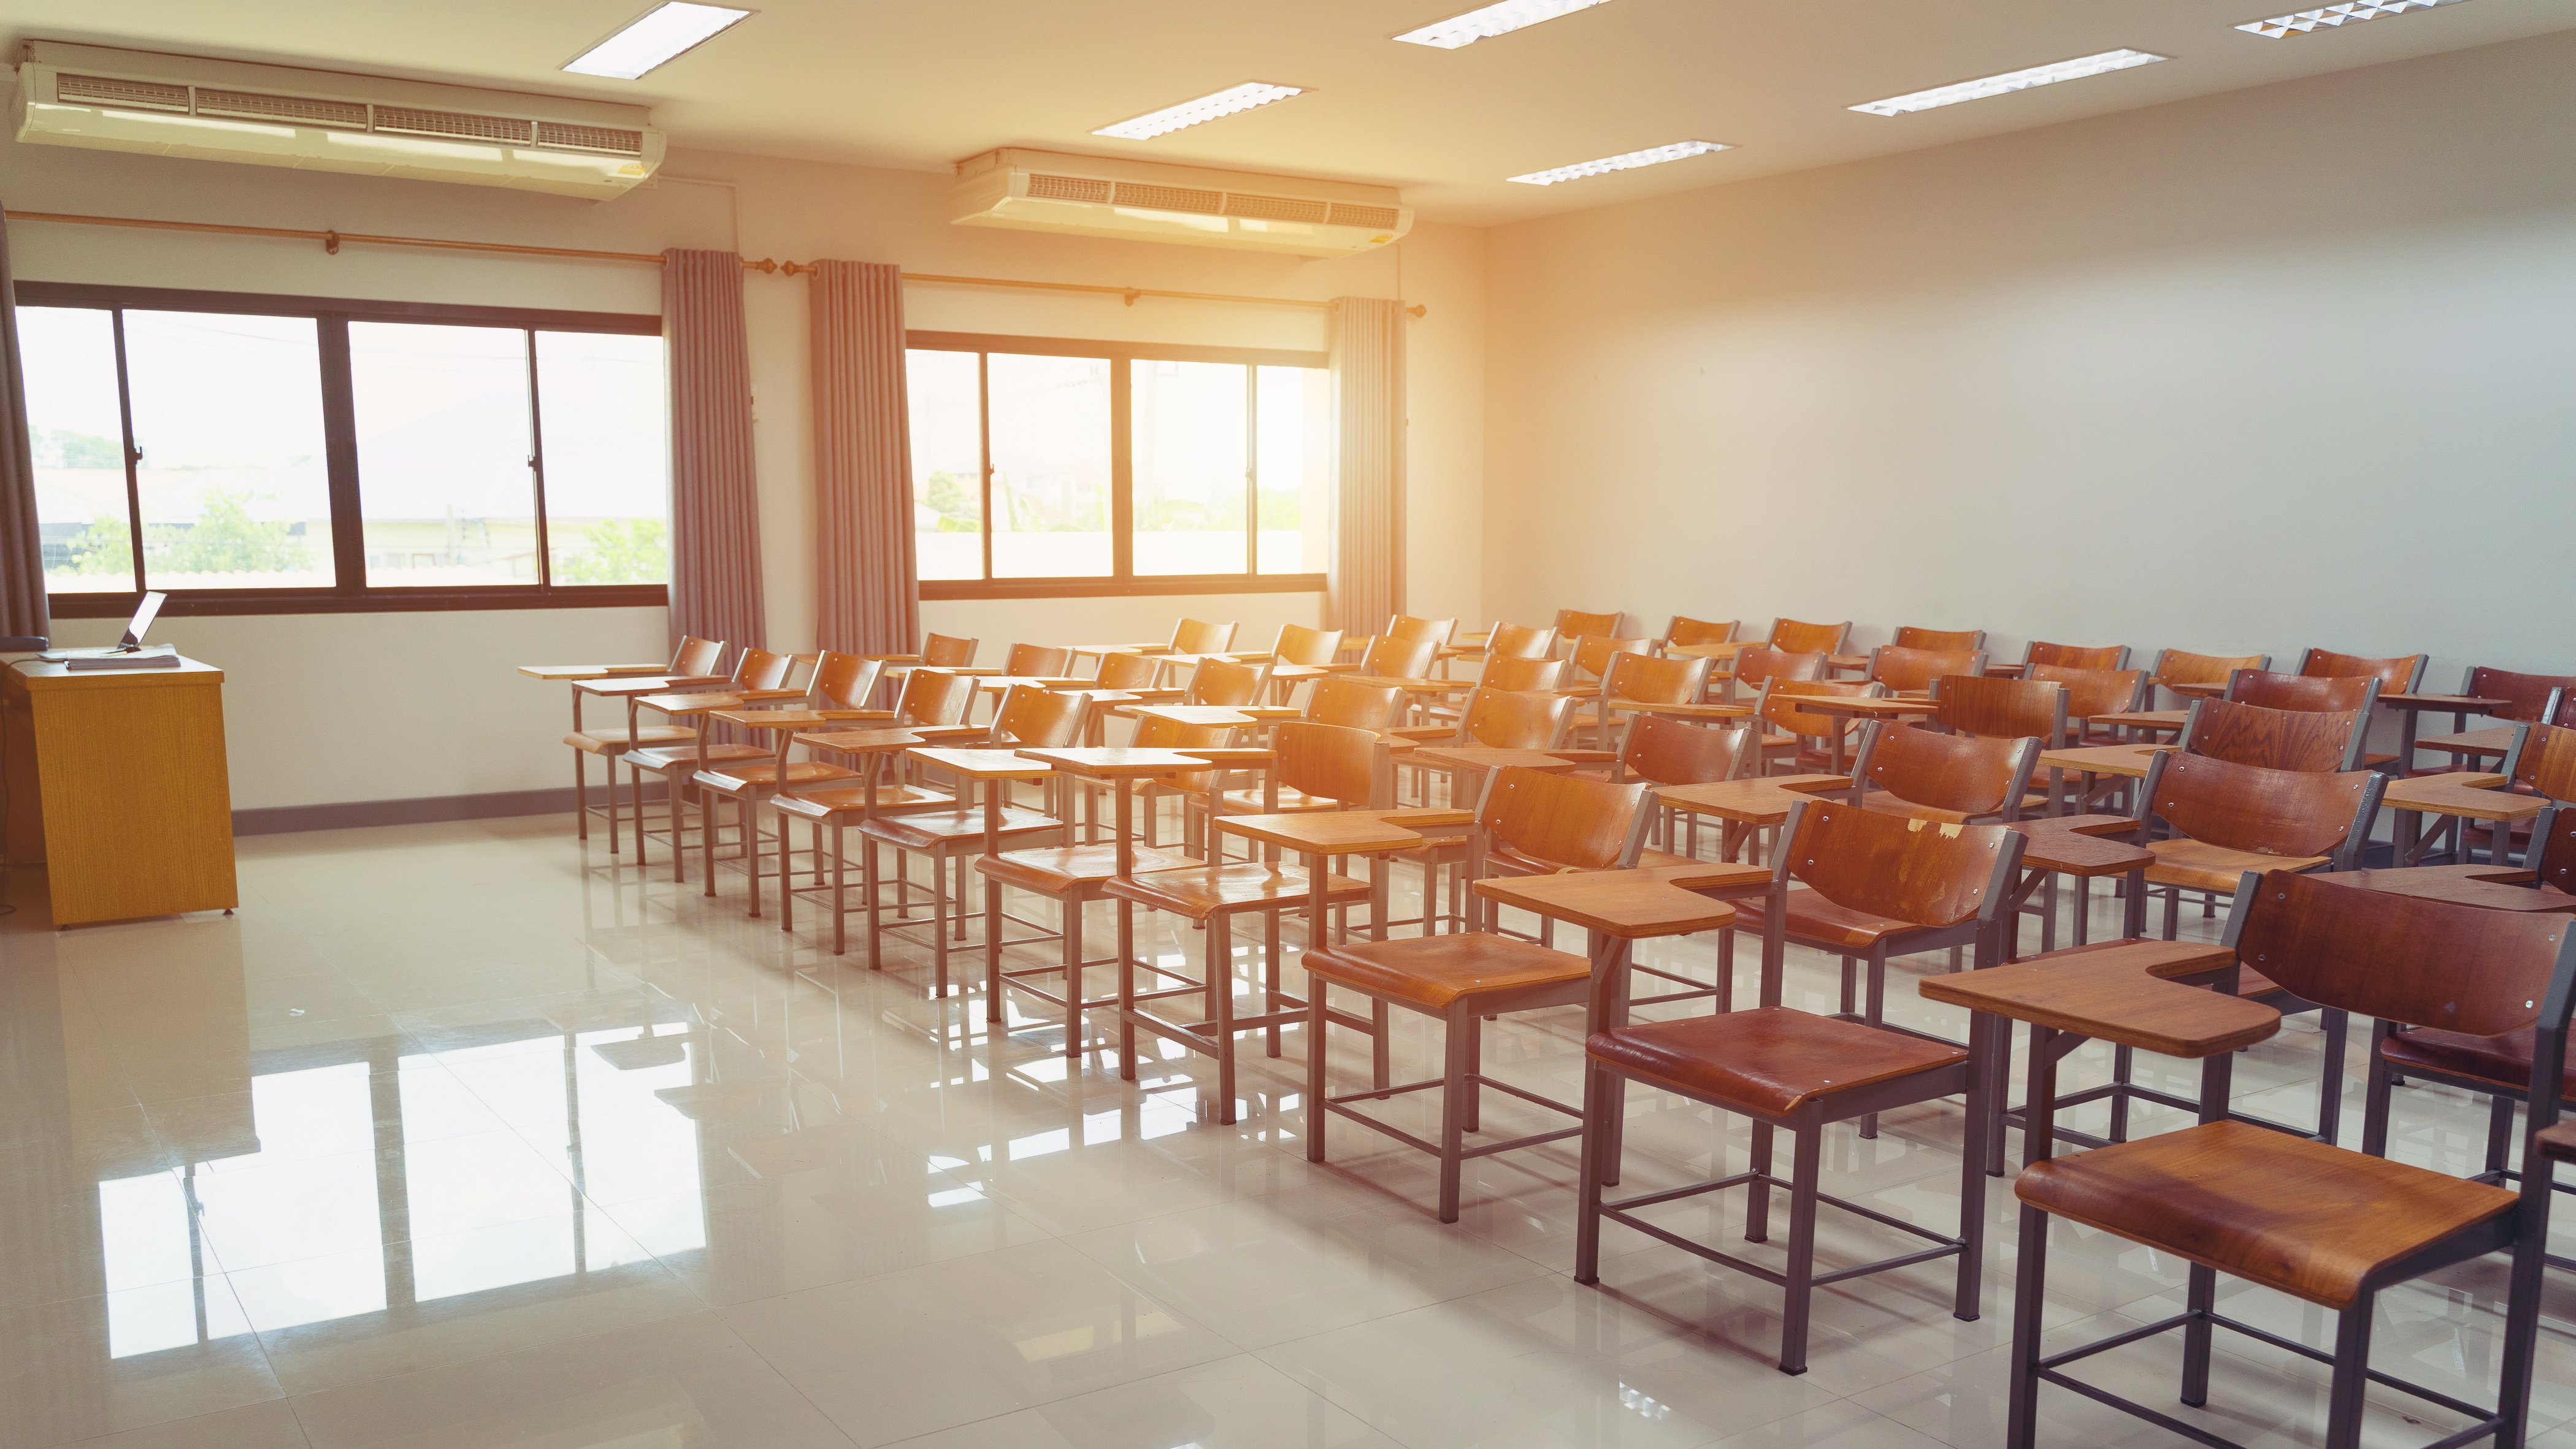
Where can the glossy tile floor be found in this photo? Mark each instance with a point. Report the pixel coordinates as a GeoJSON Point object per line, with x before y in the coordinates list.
{"type": "Point", "coordinates": [464, 1135]}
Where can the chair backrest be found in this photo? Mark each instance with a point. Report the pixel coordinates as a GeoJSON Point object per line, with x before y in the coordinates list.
{"type": "Point", "coordinates": [760, 669]}
{"type": "Point", "coordinates": [935, 697]}
{"type": "Point", "coordinates": [1792, 636]}
{"type": "Point", "coordinates": [2091, 691]}
{"type": "Point", "coordinates": [1779, 704]}
{"type": "Point", "coordinates": [1040, 719]}
{"type": "Point", "coordinates": [2553, 850]}
{"type": "Point", "coordinates": [1227, 681]}
{"type": "Point", "coordinates": [1519, 641]}
{"type": "Point", "coordinates": [2176, 666]}
{"type": "Point", "coordinates": [697, 657]}
{"type": "Point", "coordinates": [1593, 653]}
{"type": "Point", "coordinates": [1890, 865]}
{"type": "Point", "coordinates": [1038, 661]}
{"type": "Point", "coordinates": [2266, 812]}
{"type": "Point", "coordinates": [1389, 657]}
{"type": "Point", "coordinates": [2077, 656]}
{"type": "Point", "coordinates": [844, 681]}
{"type": "Point", "coordinates": [1510, 719]}
{"type": "Point", "coordinates": [2399, 675]}
{"type": "Point", "coordinates": [1130, 671]}
{"type": "Point", "coordinates": [1350, 703]}
{"type": "Point", "coordinates": [1761, 666]}
{"type": "Point", "coordinates": [941, 651]}
{"type": "Point", "coordinates": [1434, 631]}
{"type": "Point", "coordinates": [1686, 630]}
{"type": "Point", "coordinates": [2526, 696]}
{"type": "Point", "coordinates": [1565, 820]}
{"type": "Point", "coordinates": [1947, 641]}
{"type": "Point", "coordinates": [2547, 762]}
{"type": "Point", "coordinates": [1156, 733]}
{"type": "Point", "coordinates": [1954, 776]}
{"type": "Point", "coordinates": [1301, 645]}
{"type": "Point", "coordinates": [1335, 762]}
{"type": "Point", "coordinates": [1197, 636]}
{"type": "Point", "coordinates": [1906, 671]}
{"type": "Point", "coordinates": [1667, 751]}
{"type": "Point", "coordinates": [2009, 709]}
{"type": "Point", "coordinates": [2276, 739]}
{"type": "Point", "coordinates": [1650, 680]}
{"type": "Point", "coordinates": [1510, 673]}
{"type": "Point", "coordinates": [2407, 959]}
{"type": "Point", "coordinates": [2328, 692]}
{"type": "Point", "coordinates": [1576, 624]}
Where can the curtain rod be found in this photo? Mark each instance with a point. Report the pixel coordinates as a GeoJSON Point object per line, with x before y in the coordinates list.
{"type": "Point", "coordinates": [767, 266]}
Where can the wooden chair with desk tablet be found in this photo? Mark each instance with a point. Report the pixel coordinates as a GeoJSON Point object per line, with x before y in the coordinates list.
{"type": "Point", "coordinates": [2191, 676]}
{"type": "Point", "coordinates": [759, 677]}
{"type": "Point", "coordinates": [1805, 739]}
{"type": "Point", "coordinates": [1684, 631]}
{"type": "Point", "coordinates": [1942, 641]}
{"type": "Point", "coordinates": [1907, 670]}
{"type": "Point", "coordinates": [1577, 624]}
{"type": "Point", "coordinates": [1794, 636]}
{"type": "Point", "coordinates": [2276, 739]}
{"type": "Point", "coordinates": [694, 658]}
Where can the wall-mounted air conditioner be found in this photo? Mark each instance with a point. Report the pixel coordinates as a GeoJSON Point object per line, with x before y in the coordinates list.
{"type": "Point", "coordinates": [1149, 201]}
{"type": "Point", "coordinates": [269, 115]}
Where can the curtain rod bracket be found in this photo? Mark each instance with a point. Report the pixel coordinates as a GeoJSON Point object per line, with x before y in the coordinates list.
{"type": "Point", "coordinates": [1417, 311]}
{"type": "Point", "coordinates": [331, 243]}
{"type": "Point", "coordinates": [1131, 294]}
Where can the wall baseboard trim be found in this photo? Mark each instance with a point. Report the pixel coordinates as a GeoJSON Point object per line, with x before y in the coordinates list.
{"type": "Point", "coordinates": [418, 810]}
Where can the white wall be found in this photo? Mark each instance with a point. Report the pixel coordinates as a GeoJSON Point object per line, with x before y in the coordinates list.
{"type": "Point", "coordinates": [441, 711]}
{"type": "Point", "coordinates": [2289, 366]}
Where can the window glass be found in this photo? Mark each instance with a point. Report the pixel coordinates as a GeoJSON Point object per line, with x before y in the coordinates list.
{"type": "Point", "coordinates": [947, 463]}
{"type": "Point", "coordinates": [1050, 439]}
{"type": "Point", "coordinates": [603, 417]}
{"type": "Point", "coordinates": [444, 481]}
{"type": "Point", "coordinates": [228, 419]}
{"type": "Point", "coordinates": [1189, 434]}
{"type": "Point", "coordinates": [1296, 469]}
{"type": "Point", "coordinates": [79, 448]}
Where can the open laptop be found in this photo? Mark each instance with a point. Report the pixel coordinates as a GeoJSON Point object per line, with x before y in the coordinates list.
{"type": "Point", "coordinates": [135, 628]}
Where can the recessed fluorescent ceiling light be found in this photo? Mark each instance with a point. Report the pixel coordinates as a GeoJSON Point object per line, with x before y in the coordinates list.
{"type": "Point", "coordinates": [1206, 108]}
{"type": "Point", "coordinates": [1651, 156]}
{"type": "Point", "coordinates": [660, 36]}
{"type": "Point", "coordinates": [2019, 80]}
{"type": "Point", "coordinates": [2281, 27]}
{"type": "Point", "coordinates": [1492, 20]}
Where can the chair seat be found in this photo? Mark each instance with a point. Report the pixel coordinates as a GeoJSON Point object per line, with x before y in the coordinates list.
{"type": "Point", "coordinates": [2287, 1212]}
{"type": "Point", "coordinates": [2198, 866]}
{"type": "Point", "coordinates": [666, 758]}
{"type": "Point", "coordinates": [618, 744]}
{"type": "Point", "coordinates": [741, 779]}
{"type": "Point", "coordinates": [1771, 1059]}
{"type": "Point", "coordinates": [1291, 802]}
{"type": "Point", "coordinates": [1201, 891]}
{"type": "Point", "coordinates": [1440, 734]}
{"type": "Point", "coordinates": [822, 805]}
{"type": "Point", "coordinates": [933, 830]}
{"type": "Point", "coordinates": [1434, 972]}
{"type": "Point", "coordinates": [1070, 870]}
{"type": "Point", "coordinates": [1882, 803]}
{"type": "Point", "coordinates": [2502, 1061]}
{"type": "Point", "coordinates": [1815, 921]}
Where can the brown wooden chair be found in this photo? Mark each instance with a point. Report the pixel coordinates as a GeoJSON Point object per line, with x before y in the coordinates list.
{"type": "Point", "coordinates": [2009, 709]}
{"type": "Point", "coordinates": [1865, 880]}
{"type": "Point", "coordinates": [1138, 674]}
{"type": "Point", "coordinates": [1911, 671]}
{"type": "Point", "coordinates": [1506, 719]}
{"type": "Point", "coordinates": [1519, 641]}
{"type": "Point", "coordinates": [2176, 668]}
{"type": "Point", "coordinates": [946, 651]}
{"type": "Point", "coordinates": [841, 685]}
{"type": "Point", "coordinates": [1435, 632]}
{"type": "Point", "coordinates": [1575, 624]}
{"type": "Point", "coordinates": [1038, 661]}
{"type": "Point", "coordinates": [1198, 636]}
{"type": "Point", "coordinates": [1224, 681]}
{"type": "Point", "coordinates": [1940, 641]}
{"type": "Point", "coordinates": [1684, 630]}
{"type": "Point", "coordinates": [1647, 679]}
{"type": "Point", "coordinates": [1592, 656]}
{"type": "Point", "coordinates": [1805, 738]}
{"type": "Point", "coordinates": [1755, 668]}
{"type": "Point", "coordinates": [1377, 708]}
{"type": "Point", "coordinates": [2528, 698]}
{"type": "Point", "coordinates": [2074, 656]}
{"type": "Point", "coordinates": [1515, 675]}
{"type": "Point", "coordinates": [2209, 822]}
{"type": "Point", "coordinates": [759, 677]}
{"type": "Point", "coordinates": [1791, 636]}
{"type": "Point", "coordinates": [694, 658]}
{"type": "Point", "coordinates": [1948, 779]}
{"type": "Point", "coordinates": [2276, 739]}
{"type": "Point", "coordinates": [1351, 767]}
{"type": "Point", "coordinates": [1661, 750]}
{"type": "Point", "coordinates": [2321, 1224]}
{"type": "Point", "coordinates": [2400, 675]}
{"type": "Point", "coordinates": [2092, 692]}
{"type": "Point", "coordinates": [1463, 978]}
{"type": "Point", "coordinates": [1391, 657]}
{"type": "Point", "coordinates": [2323, 693]}
{"type": "Point", "coordinates": [1299, 645]}
{"type": "Point", "coordinates": [934, 704]}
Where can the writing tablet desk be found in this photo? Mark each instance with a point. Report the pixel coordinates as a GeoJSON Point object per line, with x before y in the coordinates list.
{"type": "Point", "coordinates": [117, 783]}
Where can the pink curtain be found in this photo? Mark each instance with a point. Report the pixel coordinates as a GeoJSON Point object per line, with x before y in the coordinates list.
{"type": "Point", "coordinates": [22, 556]}
{"type": "Point", "coordinates": [1367, 572]}
{"type": "Point", "coordinates": [715, 503]}
{"type": "Point", "coordinates": [869, 591]}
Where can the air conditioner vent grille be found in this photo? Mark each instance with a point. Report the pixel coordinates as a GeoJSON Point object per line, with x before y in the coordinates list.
{"type": "Point", "coordinates": [615, 140]}
{"type": "Point", "coordinates": [1067, 188]}
{"type": "Point", "coordinates": [1382, 217]}
{"type": "Point", "coordinates": [302, 110]}
{"type": "Point", "coordinates": [104, 90]}
{"type": "Point", "coordinates": [1171, 198]}
{"type": "Point", "coordinates": [410, 121]}
{"type": "Point", "coordinates": [1274, 208]}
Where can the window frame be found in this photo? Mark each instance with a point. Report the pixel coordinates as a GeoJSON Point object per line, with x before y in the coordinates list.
{"type": "Point", "coordinates": [1122, 581]}
{"type": "Point", "coordinates": [350, 593]}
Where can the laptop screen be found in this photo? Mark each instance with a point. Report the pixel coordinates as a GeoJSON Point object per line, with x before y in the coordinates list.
{"type": "Point", "coordinates": [143, 614]}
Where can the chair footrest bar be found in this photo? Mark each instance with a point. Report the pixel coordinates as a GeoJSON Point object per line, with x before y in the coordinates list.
{"type": "Point", "coordinates": [1514, 1144]}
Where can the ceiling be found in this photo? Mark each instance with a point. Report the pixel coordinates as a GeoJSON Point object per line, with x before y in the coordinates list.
{"type": "Point", "coordinates": [918, 86]}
